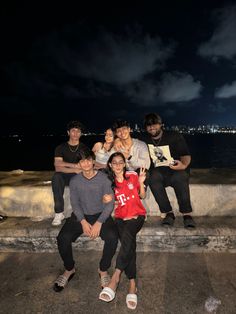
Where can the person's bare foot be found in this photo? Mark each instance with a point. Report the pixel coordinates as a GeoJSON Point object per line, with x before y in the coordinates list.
{"type": "Point", "coordinates": [109, 292]}
{"type": "Point", "coordinates": [63, 280]}
{"type": "Point", "coordinates": [131, 298]}
{"type": "Point", "coordinates": [68, 273]}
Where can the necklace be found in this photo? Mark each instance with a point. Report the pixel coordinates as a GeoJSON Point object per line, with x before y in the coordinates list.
{"type": "Point", "coordinates": [71, 149]}
{"type": "Point", "coordinates": [157, 141]}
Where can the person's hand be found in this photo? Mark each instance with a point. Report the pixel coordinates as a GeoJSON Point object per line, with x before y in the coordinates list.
{"type": "Point", "coordinates": [107, 198]}
{"type": "Point", "coordinates": [142, 175]}
{"type": "Point", "coordinates": [95, 230]}
{"type": "Point", "coordinates": [178, 165]}
{"type": "Point", "coordinates": [118, 145]}
{"type": "Point", "coordinates": [86, 227]}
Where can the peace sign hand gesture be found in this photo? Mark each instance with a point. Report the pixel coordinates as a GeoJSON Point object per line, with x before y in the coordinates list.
{"type": "Point", "coordinates": [142, 175]}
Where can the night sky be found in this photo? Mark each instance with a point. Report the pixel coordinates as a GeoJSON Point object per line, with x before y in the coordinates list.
{"type": "Point", "coordinates": [96, 62]}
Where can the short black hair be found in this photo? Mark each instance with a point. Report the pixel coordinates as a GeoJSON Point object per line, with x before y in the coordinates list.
{"type": "Point", "coordinates": [75, 125]}
{"type": "Point", "coordinates": [119, 123]}
{"type": "Point", "coordinates": [85, 154]}
{"type": "Point", "coordinates": [152, 118]}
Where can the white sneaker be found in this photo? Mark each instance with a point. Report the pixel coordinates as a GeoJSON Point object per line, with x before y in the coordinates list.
{"type": "Point", "coordinates": [58, 219]}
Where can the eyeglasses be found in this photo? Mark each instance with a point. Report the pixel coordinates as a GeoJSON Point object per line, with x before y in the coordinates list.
{"type": "Point", "coordinates": [117, 163]}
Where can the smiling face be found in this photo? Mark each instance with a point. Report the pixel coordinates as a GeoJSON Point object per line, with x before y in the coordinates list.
{"type": "Point", "coordinates": [123, 133]}
{"type": "Point", "coordinates": [74, 134]}
{"type": "Point", "coordinates": [109, 136]}
{"type": "Point", "coordinates": [86, 164]}
{"type": "Point", "coordinates": [117, 165]}
{"type": "Point", "coordinates": [154, 129]}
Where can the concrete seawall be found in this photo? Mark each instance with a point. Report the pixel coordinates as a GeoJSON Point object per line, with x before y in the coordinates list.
{"type": "Point", "coordinates": [213, 193]}
{"type": "Point", "coordinates": [27, 199]}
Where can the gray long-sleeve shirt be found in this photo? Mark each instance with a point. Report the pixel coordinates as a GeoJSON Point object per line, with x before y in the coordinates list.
{"type": "Point", "coordinates": [86, 196]}
{"type": "Point", "coordinates": [140, 156]}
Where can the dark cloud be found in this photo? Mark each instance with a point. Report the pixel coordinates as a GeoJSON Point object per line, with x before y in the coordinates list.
{"type": "Point", "coordinates": [222, 43]}
{"type": "Point", "coordinates": [179, 87]}
{"type": "Point", "coordinates": [226, 91]}
{"type": "Point", "coordinates": [125, 59]}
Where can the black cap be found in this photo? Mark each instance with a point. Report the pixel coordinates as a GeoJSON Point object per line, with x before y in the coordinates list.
{"type": "Point", "coordinates": [152, 118]}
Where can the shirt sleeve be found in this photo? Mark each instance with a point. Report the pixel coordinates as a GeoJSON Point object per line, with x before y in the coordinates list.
{"type": "Point", "coordinates": [181, 145]}
{"type": "Point", "coordinates": [140, 157]}
{"type": "Point", "coordinates": [74, 200]}
{"type": "Point", "coordinates": [58, 151]}
{"type": "Point", "coordinates": [108, 207]}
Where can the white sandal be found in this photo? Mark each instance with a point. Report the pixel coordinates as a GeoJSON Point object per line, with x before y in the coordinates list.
{"type": "Point", "coordinates": [131, 297]}
{"type": "Point", "coordinates": [107, 292]}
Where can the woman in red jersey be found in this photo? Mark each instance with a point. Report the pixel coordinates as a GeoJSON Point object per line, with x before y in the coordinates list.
{"type": "Point", "coordinates": [130, 214]}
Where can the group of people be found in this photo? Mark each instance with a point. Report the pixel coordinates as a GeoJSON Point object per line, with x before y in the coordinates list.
{"type": "Point", "coordinates": [114, 176]}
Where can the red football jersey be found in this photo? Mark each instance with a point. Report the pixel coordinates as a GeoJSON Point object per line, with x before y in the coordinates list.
{"type": "Point", "coordinates": [127, 196]}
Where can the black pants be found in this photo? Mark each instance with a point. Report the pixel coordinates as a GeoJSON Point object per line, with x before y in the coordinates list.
{"type": "Point", "coordinates": [59, 181]}
{"type": "Point", "coordinates": [162, 177]}
{"type": "Point", "coordinates": [72, 229]}
{"type": "Point", "coordinates": [126, 259]}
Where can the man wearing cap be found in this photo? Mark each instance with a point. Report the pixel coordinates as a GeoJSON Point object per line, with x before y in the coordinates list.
{"type": "Point", "coordinates": [170, 159]}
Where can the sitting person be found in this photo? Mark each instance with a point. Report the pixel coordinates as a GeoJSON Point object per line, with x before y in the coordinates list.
{"type": "Point", "coordinates": [129, 217]}
{"type": "Point", "coordinates": [172, 169]}
{"type": "Point", "coordinates": [103, 150]}
{"type": "Point", "coordinates": [135, 151]}
{"type": "Point", "coordinates": [66, 166]}
{"type": "Point", "coordinates": [91, 215]}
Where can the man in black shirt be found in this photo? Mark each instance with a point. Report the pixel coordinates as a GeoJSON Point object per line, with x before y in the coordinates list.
{"type": "Point", "coordinates": [170, 159]}
{"type": "Point", "coordinates": [66, 166]}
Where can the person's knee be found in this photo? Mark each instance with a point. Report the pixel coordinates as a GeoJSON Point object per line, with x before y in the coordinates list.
{"type": "Point", "coordinates": [63, 239]}
{"type": "Point", "coordinates": [57, 178]}
{"type": "Point", "coordinates": [111, 238]}
{"type": "Point", "coordinates": [180, 177]}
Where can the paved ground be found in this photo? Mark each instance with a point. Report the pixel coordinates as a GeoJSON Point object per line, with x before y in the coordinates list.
{"type": "Point", "coordinates": [169, 283]}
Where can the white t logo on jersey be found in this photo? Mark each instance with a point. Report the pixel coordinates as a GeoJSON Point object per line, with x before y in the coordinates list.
{"type": "Point", "coordinates": [121, 199]}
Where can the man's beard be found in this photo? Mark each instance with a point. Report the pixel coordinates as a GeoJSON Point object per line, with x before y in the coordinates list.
{"type": "Point", "coordinates": [157, 133]}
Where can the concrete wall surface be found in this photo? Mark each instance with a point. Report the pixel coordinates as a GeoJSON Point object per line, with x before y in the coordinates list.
{"type": "Point", "coordinates": [30, 195]}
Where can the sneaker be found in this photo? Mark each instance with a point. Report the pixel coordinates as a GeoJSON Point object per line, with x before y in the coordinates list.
{"type": "Point", "coordinates": [58, 219]}
{"type": "Point", "coordinates": [168, 220]}
{"type": "Point", "coordinates": [2, 218]}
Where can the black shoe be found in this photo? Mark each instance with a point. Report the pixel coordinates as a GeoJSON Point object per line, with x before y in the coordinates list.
{"type": "Point", "coordinates": [61, 282]}
{"type": "Point", "coordinates": [189, 222]}
{"type": "Point", "coordinates": [169, 220]}
{"type": "Point", "coordinates": [2, 218]}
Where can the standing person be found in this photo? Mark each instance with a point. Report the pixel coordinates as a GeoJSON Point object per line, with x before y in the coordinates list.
{"type": "Point", "coordinates": [103, 150]}
{"type": "Point", "coordinates": [170, 161]}
{"type": "Point", "coordinates": [129, 217]}
{"type": "Point", "coordinates": [90, 216]}
{"type": "Point", "coordinates": [135, 151]}
{"type": "Point", "coordinates": [66, 166]}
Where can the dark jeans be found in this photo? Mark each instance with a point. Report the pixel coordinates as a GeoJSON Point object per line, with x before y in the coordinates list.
{"type": "Point", "coordinates": [162, 177]}
{"type": "Point", "coordinates": [126, 259]}
{"type": "Point", "coordinates": [72, 229]}
{"type": "Point", "coordinates": [59, 181]}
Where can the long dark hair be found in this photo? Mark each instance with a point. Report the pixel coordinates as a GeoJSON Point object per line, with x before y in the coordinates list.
{"type": "Point", "coordinates": [110, 172]}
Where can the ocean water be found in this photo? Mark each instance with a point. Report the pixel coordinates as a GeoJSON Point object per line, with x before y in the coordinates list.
{"type": "Point", "coordinates": [37, 153]}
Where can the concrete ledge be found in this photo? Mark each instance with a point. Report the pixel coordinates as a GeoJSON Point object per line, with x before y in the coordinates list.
{"type": "Point", "coordinates": [28, 194]}
{"type": "Point", "coordinates": [213, 234]}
